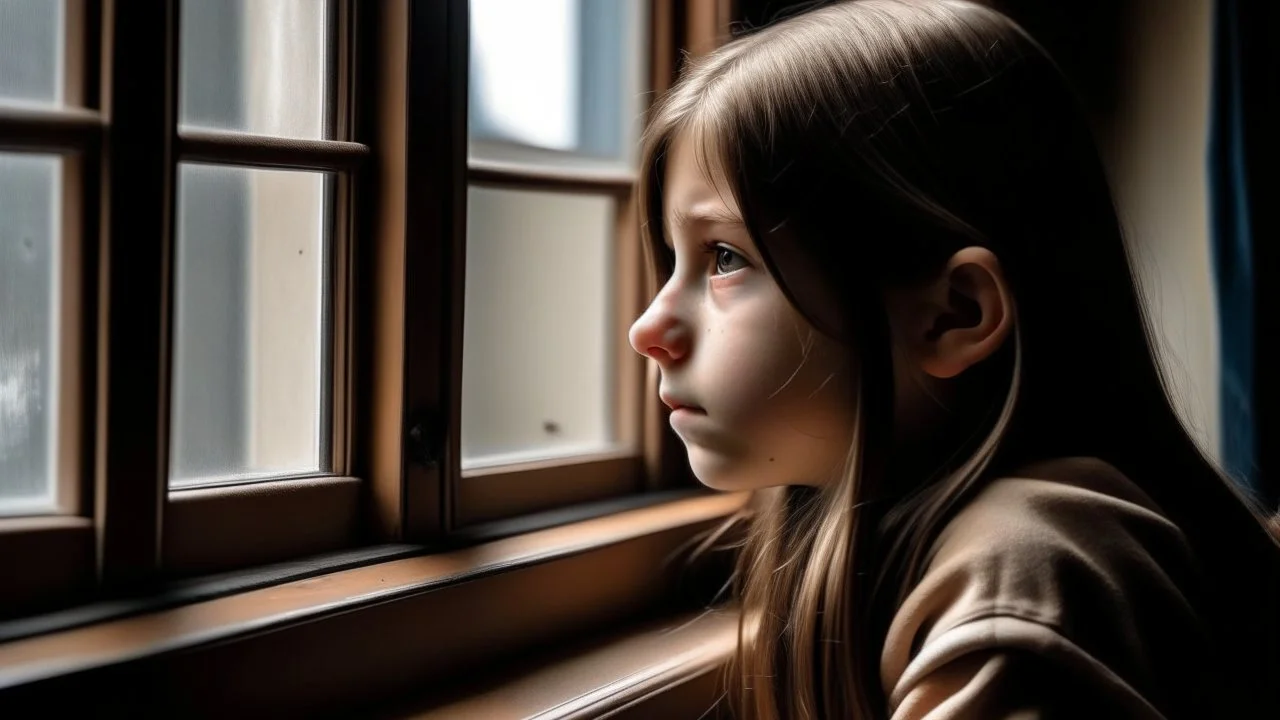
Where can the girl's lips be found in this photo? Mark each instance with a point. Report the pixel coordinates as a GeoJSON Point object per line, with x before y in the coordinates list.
{"type": "Point", "coordinates": [687, 420]}
{"type": "Point", "coordinates": [676, 403]}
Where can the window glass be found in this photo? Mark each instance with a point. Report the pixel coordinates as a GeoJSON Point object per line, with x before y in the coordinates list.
{"type": "Point", "coordinates": [538, 344]}
{"type": "Point", "coordinates": [30, 207]}
{"type": "Point", "coordinates": [256, 67]}
{"type": "Point", "coordinates": [250, 377]}
{"type": "Point", "coordinates": [31, 52]}
{"type": "Point", "coordinates": [557, 82]}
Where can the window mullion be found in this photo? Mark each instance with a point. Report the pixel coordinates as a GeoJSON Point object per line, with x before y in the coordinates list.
{"type": "Point", "coordinates": [435, 229]}
{"type": "Point", "coordinates": [138, 172]}
{"type": "Point", "coordinates": [412, 265]}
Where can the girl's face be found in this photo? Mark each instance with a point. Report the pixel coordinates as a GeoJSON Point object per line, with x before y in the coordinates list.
{"type": "Point", "coordinates": [759, 397]}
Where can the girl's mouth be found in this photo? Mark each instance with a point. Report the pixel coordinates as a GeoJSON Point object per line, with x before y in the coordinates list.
{"type": "Point", "coordinates": [676, 403]}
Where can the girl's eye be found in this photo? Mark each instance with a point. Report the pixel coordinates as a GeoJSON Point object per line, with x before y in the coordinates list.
{"type": "Point", "coordinates": [728, 261]}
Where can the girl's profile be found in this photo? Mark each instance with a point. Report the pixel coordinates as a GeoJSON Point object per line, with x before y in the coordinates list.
{"type": "Point", "coordinates": [895, 302]}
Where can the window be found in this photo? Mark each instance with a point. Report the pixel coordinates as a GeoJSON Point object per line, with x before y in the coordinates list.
{"type": "Point", "coordinates": [557, 84]}
{"type": "Point", "coordinates": [173, 345]}
{"type": "Point", "coordinates": [47, 139]}
{"type": "Point", "coordinates": [249, 393]}
{"type": "Point", "coordinates": [31, 247]}
{"type": "Point", "coordinates": [30, 240]}
{"type": "Point", "coordinates": [551, 395]}
{"type": "Point", "coordinates": [261, 195]}
{"type": "Point", "coordinates": [252, 293]}
{"type": "Point", "coordinates": [274, 303]}
{"type": "Point", "coordinates": [269, 292]}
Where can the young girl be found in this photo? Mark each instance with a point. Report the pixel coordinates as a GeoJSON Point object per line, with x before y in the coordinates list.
{"type": "Point", "coordinates": [895, 302]}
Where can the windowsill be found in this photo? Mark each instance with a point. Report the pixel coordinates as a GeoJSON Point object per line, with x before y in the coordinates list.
{"type": "Point", "coordinates": [670, 668]}
{"type": "Point", "coordinates": [305, 644]}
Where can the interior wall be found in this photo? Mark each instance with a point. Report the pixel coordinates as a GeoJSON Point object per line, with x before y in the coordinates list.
{"type": "Point", "coordinates": [1156, 146]}
{"type": "Point", "coordinates": [1142, 70]}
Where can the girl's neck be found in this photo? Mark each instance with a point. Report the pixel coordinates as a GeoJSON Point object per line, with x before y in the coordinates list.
{"type": "Point", "coordinates": [945, 426]}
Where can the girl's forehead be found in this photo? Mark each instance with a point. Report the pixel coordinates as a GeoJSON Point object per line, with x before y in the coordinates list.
{"type": "Point", "coordinates": [696, 190]}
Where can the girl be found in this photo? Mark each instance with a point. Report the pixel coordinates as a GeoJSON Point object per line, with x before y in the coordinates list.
{"type": "Point", "coordinates": [896, 303]}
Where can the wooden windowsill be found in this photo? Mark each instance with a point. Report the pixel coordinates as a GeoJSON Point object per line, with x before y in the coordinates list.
{"type": "Point", "coordinates": [670, 668]}
{"type": "Point", "coordinates": [352, 637]}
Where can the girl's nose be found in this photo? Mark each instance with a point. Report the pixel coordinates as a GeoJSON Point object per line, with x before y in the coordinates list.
{"type": "Point", "coordinates": [660, 334]}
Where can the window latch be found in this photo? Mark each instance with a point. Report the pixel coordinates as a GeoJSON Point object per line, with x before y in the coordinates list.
{"type": "Point", "coordinates": [424, 440]}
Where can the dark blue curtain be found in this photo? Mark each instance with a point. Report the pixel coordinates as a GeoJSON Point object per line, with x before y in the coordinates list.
{"type": "Point", "coordinates": [1232, 247]}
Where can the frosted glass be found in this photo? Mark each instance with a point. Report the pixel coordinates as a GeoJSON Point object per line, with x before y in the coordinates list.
{"type": "Point", "coordinates": [256, 66]}
{"type": "Point", "coordinates": [31, 52]}
{"type": "Point", "coordinates": [29, 237]}
{"type": "Point", "coordinates": [538, 333]}
{"type": "Point", "coordinates": [250, 371]}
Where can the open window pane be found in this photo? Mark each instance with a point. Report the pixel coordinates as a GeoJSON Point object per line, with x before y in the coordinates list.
{"type": "Point", "coordinates": [30, 205]}
{"type": "Point", "coordinates": [537, 377]}
{"type": "Point", "coordinates": [250, 358]}
{"type": "Point", "coordinates": [256, 67]}
{"type": "Point", "coordinates": [31, 52]}
{"type": "Point", "coordinates": [557, 82]}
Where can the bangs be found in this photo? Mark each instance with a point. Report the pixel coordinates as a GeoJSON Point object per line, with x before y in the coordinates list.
{"type": "Point", "coordinates": [687, 114]}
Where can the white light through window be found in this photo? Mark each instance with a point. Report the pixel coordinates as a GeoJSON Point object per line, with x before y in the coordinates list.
{"type": "Point", "coordinates": [524, 62]}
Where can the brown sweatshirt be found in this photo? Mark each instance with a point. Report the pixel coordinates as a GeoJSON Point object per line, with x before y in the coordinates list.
{"type": "Point", "coordinates": [1061, 593]}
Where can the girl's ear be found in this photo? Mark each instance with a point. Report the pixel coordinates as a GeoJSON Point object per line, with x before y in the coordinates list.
{"type": "Point", "coordinates": [958, 318]}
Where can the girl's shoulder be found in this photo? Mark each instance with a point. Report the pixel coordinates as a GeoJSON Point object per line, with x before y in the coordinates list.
{"type": "Point", "coordinates": [1057, 525]}
{"type": "Point", "coordinates": [1072, 480]}
{"type": "Point", "coordinates": [1064, 566]}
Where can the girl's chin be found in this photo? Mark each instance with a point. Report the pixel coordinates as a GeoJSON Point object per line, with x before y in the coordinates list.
{"type": "Point", "coordinates": [720, 473]}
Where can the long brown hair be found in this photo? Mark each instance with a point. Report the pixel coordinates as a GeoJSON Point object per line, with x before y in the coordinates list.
{"type": "Point", "coordinates": [865, 142]}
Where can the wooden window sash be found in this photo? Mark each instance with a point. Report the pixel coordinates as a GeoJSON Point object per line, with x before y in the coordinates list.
{"type": "Point", "coordinates": [50, 558]}
{"type": "Point", "coordinates": [505, 491]}
{"type": "Point", "coordinates": [411, 95]}
{"type": "Point", "coordinates": [215, 528]}
{"type": "Point", "coordinates": [413, 353]}
{"type": "Point", "coordinates": [263, 151]}
{"type": "Point", "coordinates": [139, 102]}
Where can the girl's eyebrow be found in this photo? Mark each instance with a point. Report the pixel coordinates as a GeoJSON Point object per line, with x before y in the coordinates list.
{"type": "Point", "coordinates": [703, 215]}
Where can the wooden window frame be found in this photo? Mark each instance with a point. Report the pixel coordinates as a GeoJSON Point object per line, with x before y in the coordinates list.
{"type": "Point", "coordinates": [400, 496]}
{"type": "Point", "coordinates": [217, 528]}
{"type": "Point", "coordinates": [494, 493]}
{"type": "Point", "coordinates": [50, 558]}
{"type": "Point", "coordinates": [120, 528]}
{"type": "Point", "coordinates": [166, 532]}
{"type": "Point", "coordinates": [303, 646]}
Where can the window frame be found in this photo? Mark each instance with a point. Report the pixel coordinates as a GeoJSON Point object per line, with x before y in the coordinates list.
{"type": "Point", "coordinates": [505, 491]}
{"type": "Point", "coordinates": [400, 111]}
{"type": "Point", "coordinates": [217, 528]}
{"type": "Point", "coordinates": [50, 557]}
{"type": "Point", "coordinates": [403, 464]}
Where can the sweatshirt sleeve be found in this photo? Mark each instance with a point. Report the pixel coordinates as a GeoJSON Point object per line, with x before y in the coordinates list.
{"type": "Point", "coordinates": [1058, 594]}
